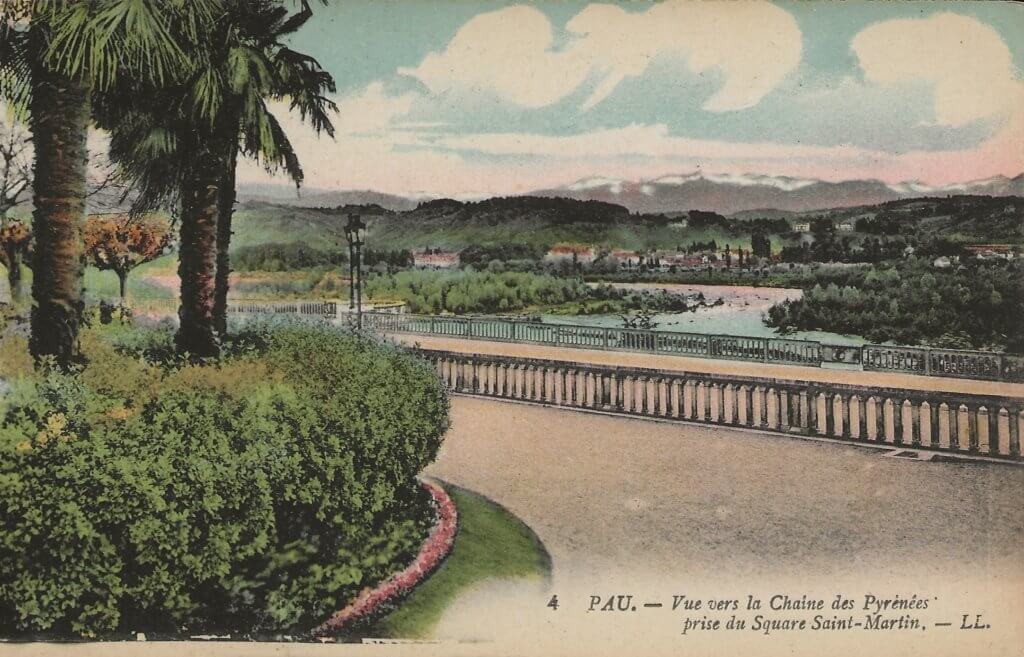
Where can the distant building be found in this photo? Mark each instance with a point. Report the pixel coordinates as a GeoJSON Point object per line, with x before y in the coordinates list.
{"type": "Point", "coordinates": [677, 260]}
{"type": "Point", "coordinates": [626, 259]}
{"type": "Point", "coordinates": [577, 253]}
{"type": "Point", "coordinates": [942, 262]}
{"type": "Point", "coordinates": [680, 223]}
{"type": "Point", "coordinates": [991, 251]}
{"type": "Point", "coordinates": [845, 227]}
{"type": "Point", "coordinates": [435, 259]}
{"type": "Point", "coordinates": [802, 226]}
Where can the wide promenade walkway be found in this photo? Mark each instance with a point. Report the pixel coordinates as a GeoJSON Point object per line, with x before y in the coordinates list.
{"type": "Point", "coordinates": [627, 506]}
{"type": "Point", "coordinates": [713, 366]}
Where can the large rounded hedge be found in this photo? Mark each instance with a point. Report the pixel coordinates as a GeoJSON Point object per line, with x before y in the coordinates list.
{"type": "Point", "coordinates": [256, 494]}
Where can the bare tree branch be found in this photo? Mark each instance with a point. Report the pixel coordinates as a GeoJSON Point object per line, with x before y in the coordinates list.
{"type": "Point", "coordinates": [15, 168]}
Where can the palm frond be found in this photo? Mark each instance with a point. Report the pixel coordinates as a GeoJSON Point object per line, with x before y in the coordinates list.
{"type": "Point", "coordinates": [102, 38]}
{"type": "Point", "coordinates": [15, 71]}
{"type": "Point", "coordinates": [266, 141]}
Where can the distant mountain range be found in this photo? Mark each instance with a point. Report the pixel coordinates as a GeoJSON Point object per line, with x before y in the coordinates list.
{"type": "Point", "coordinates": [323, 198]}
{"type": "Point", "coordinates": [723, 193]}
{"type": "Point", "coordinates": [729, 194]}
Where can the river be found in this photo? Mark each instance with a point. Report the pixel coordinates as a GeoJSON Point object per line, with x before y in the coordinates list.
{"type": "Point", "coordinates": [740, 313]}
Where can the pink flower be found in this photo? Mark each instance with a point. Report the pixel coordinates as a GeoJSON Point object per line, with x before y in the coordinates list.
{"type": "Point", "coordinates": [433, 551]}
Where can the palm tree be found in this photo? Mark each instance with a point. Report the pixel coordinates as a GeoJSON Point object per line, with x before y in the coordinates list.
{"type": "Point", "coordinates": [257, 67]}
{"type": "Point", "coordinates": [53, 55]}
{"type": "Point", "coordinates": [181, 145]}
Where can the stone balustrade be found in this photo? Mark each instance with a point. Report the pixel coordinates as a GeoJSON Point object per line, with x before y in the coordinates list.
{"type": "Point", "coordinates": [950, 422]}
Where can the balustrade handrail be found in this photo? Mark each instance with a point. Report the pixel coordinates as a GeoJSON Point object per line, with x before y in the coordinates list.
{"type": "Point", "coordinates": [963, 423]}
{"type": "Point", "coordinates": [733, 379]}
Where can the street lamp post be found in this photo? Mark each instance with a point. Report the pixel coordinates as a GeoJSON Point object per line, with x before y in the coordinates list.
{"type": "Point", "coordinates": [355, 233]}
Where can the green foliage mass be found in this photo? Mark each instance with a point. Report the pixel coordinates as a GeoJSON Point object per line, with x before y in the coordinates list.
{"type": "Point", "coordinates": [910, 302]}
{"type": "Point", "coordinates": [276, 256]}
{"type": "Point", "coordinates": [464, 291]}
{"type": "Point", "coordinates": [257, 494]}
{"type": "Point", "coordinates": [468, 291]}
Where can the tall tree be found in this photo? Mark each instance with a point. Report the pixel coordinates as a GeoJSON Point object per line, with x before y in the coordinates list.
{"type": "Point", "coordinates": [181, 146]}
{"type": "Point", "coordinates": [53, 55]}
{"type": "Point", "coordinates": [59, 120]}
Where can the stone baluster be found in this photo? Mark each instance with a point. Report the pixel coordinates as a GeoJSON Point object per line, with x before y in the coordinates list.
{"type": "Point", "coordinates": [933, 424]}
{"type": "Point", "coordinates": [915, 424]}
{"type": "Point", "coordinates": [853, 421]}
{"type": "Point", "coordinates": [762, 407]}
{"type": "Point", "coordinates": [812, 412]}
{"type": "Point", "coordinates": [689, 400]}
{"type": "Point", "coordinates": [804, 405]}
{"type": "Point", "coordinates": [972, 427]}
{"type": "Point", "coordinates": [1014, 432]}
{"type": "Point", "coordinates": [700, 395]}
{"type": "Point", "coordinates": [715, 410]}
{"type": "Point", "coordinates": [995, 445]}
{"type": "Point", "coordinates": [729, 404]}
{"type": "Point", "coordinates": [888, 417]}
{"type": "Point", "coordinates": [954, 426]}
{"type": "Point", "coordinates": [784, 409]}
{"type": "Point", "coordinates": [983, 425]}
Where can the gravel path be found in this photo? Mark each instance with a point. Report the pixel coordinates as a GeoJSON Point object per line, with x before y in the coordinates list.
{"type": "Point", "coordinates": [656, 509]}
{"type": "Point", "coordinates": [606, 491]}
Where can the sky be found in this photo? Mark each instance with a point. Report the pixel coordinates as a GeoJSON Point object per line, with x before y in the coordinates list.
{"type": "Point", "coordinates": [469, 98]}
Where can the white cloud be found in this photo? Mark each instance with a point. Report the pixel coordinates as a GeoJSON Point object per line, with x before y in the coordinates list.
{"type": "Point", "coordinates": [508, 52]}
{"type": "Point", "coordinates": [371, 110]}
{"type": "Point", "coordinates": [383, 144]}
{"type": "Point", "coordinates": [511, 52]}
{"type": "Point", "coordinates": [966, 61]}
{"type": "Point", "coordinates": [652, 141]}
{"type": "Point", "coordinates": [754, 45]}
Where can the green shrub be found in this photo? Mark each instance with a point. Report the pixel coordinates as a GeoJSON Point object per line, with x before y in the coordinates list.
{"type": "Point", "coordinates": [259, 493]}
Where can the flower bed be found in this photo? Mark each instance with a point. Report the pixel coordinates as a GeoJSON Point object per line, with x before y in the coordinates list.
{"type": "Point", "coordinates": [374, 603]}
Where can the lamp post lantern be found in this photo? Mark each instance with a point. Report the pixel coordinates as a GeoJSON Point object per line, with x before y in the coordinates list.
{"type": "Point", "coordinates": [355, 233]}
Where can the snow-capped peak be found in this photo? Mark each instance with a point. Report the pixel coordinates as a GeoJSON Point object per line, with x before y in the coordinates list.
{"type": "Point", "coordinates": [593, 183]}
{"type": "Point", "coordinates": [785, 183]}
{"type": "Point", "coordinates": [916, 187]}
{"type": "Point", "coordinates": [911, 187]}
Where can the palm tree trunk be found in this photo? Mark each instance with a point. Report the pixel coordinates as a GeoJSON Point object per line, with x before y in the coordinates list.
{"type": "Point", "coordinates": [197, 254]}
{"type": "Point", "coordinates": [59, 120]}
{"type": "Point", "coordinates": [226, 210]}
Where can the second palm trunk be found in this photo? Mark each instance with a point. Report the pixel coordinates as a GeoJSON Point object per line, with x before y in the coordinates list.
{"type": "Point", "coordinates": [200, 196]}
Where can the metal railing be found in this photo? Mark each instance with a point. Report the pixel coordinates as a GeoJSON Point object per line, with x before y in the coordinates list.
{"type": "Point", "coordinates": [871, 357]}
{"type": "Point", "coordinates": [982, 425]}
{"type": "Point", "coordinates": [944, 362]}
{"type": "Point", "coordinates": [770, 350]}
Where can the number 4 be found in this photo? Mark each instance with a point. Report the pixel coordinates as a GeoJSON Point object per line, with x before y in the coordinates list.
{"type": "Point", "coordinates": [553, 602]}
